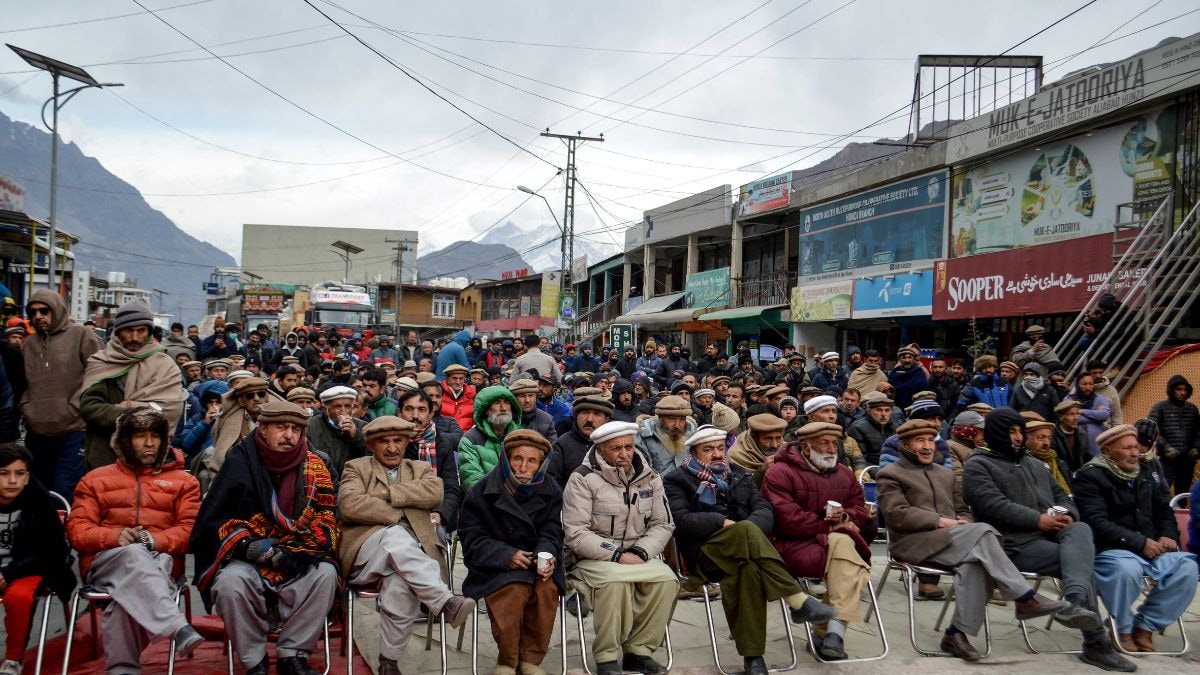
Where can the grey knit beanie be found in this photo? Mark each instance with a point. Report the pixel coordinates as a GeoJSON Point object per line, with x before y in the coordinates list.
{"type": "Point", "coordinates": [133, 313]}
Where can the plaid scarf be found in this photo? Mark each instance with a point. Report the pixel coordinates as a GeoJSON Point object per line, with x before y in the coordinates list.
{"type": "Point", "coordinates": [426, 439]}
{"type": "Point", "coordinates": [714, 479]}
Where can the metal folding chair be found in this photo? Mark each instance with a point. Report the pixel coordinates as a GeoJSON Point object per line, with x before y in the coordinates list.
{"type": "Point", "coordinates": [1037, 580]}
{"type": "Point", "coordinates": [49, 595]}
{"type": "Point", "coordinates": [94, 598]}
{"type": "Point", "coordinates": [908, 574]}
{"type": "Point", "coordinates": [562, 626]}
{"type": "Point", "coordinates": [583, 649]}
{"type": "Point", "coordinates": [1111, 625]}
{"type": "Point", "coordinates": [712, 630]}
{"type": "Point", "coordinates": [873, 601]}
{"type": "Point", "coordinates": [372, 593]}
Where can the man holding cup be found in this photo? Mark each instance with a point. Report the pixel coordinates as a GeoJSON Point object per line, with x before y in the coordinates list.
{"type": "Point", "coordinates": [335, 431]}
{"type": "Point", "coordinates": [512, 536]}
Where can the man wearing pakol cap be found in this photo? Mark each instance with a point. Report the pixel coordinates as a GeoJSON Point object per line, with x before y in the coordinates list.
{"type": "Point", "coordinates": [1039, 443]}
{"type": "Point", "coordinates": [569, 449]}
{"type": "Point", "coordinates": [721, 526]}
{"type": "Point", "coordinates": [830, 377]}
{"type": "Point", "coordinates": [702, 402]}
{"type": "Point", "coordinates": [925, 410]}
{"type": "Point", "coordinates": [818, 539]}
{"type": "Point", "coordinates": [131, 371]}
{"type": "Point", "coordinates": [871, 431]}
{"type": "Point", "coordinates": [336, 431]}
{"type": "Point", "coordinates": [267, 536]}
{"type": "Point", "coordinates": [458, 397]}
{"type": "Point", "coordinates": [130, 523]}
{"type": "Point", "coordinates": [389, 540]}
{"type": "Point", "coordinates": [497, 414]}
{"type": "Point", "coordinates": [661, 438]}
{"type": "Point", "coordinates": [908, 376]}
{"type": "Point", "coordinates": [1070, 441]}
{"type": "Point", "coordinates": [305, 398]}
{"type": "Point", "coordinates": [540, 421]}
{"type": "Point", "coordinates": [1033, 393]}
{"type": "Point", "coordinates": [754, 449]}
{"type": "Point", "coordinates": [512, 538]}
{"type": "Point", "coordinates": [427, 444]}
{"type": "Point", "coordinates": [1136, 536]}
{"type": "Point", "coordinates": [239, 413]}
{"type": "Point", "coordinates": [987, 386]}
{"type": "Point", "coordinates": [1015, 493]}
{"type": "Point", "coordinates": [825, 409]}
{"type": "Point", "coordinates": [1035, 349]}
{"type": "Point", "coordinates": [616, 524]}
{"type": "Point", "coordinates": [931, 525]}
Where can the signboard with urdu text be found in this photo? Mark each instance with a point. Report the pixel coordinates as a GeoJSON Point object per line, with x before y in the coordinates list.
{"type": "Point", "coordinates": [706, 289]}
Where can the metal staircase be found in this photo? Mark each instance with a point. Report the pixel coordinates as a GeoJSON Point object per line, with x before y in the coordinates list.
{"type": "Point", "coordinates": [1154, 278]}
{"type": "Point", "coordinates": [591, 323]}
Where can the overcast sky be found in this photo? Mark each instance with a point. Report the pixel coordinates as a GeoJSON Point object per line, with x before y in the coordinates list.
{"type": "Point", "coordinates": [818, 70]}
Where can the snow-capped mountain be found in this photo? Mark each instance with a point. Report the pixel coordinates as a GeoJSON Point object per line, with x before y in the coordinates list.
{"type": "Point", "coordinates": [547, 240]}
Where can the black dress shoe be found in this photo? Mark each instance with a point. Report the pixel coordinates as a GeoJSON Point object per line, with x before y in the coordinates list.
{"type": "Point", "coordinates": [832, 648]}
{"type": "Point", "coordinates": [755, 665]}
{"type": "Point", "coordinates": [638, 663]}
{"type": "Point", "coordinates": [608, 668]}
{"type": "Point", "coordinates": [958, 645]}
{"type": "Point", "coordinates": [1103, 656]}
{"type": "Point", "coordinates": [294, 665]}
{"type": "Point", "coordinates": [262, 668]}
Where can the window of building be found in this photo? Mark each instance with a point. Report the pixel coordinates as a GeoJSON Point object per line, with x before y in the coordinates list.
{"type": "Point", "coordinates": [443, 306]}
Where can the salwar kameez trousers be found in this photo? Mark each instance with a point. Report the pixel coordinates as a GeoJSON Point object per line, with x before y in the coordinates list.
{"type": "Point", "coordinates": [846, 575]}
{"type": "Point", "coordinates": [977, 557]}
{"type": "Point", "coordinates": [393, 559]}
{"type": "Point", "coordinates": [631, 605]}
{"type": "Point", "coordinates": [522, 617]}
{"type": "Point", "coordinates": [240, 596]}
{"type": "Point", "coordinates": [143, 606]}
{"type": "Point", "coordinates": [1121, 575]}
{"type": "Point", "coordinates": [751, 574]}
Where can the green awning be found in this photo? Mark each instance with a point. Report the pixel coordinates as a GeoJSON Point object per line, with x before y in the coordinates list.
{"type": "Point", "coordinates": [738, 313]}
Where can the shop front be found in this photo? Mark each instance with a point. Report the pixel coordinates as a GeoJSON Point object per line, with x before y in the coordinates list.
{"type": "Point", "coordinates": [766, 329]}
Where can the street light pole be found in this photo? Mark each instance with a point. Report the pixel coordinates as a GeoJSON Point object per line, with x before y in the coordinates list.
{"type": "Point", "coordinates": [56, 69]}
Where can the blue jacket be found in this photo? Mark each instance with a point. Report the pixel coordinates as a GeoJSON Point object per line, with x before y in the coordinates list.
{"type": "Point", "coordinates": [993, 390]}
{"type": "Point", "coordinates": [891, 452]}
{"type": "Point", "coordinates": [454, 351]}
{"type": "Point", "coordinates": [586, 364]}
{"type": "Point", "coordinates": [556, 408]}
{"type": "Point", "coordinates": [828, 383]}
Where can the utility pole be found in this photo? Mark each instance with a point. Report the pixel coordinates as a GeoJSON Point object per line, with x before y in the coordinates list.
{"type": "Point", "coordinates": [401, 247]}
{"type": "Point", "coordinates": [568, 224]}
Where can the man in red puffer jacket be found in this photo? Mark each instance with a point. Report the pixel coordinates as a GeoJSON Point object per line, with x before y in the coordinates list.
{"type": "Point", "coordinates": [458, 397]}
{"type": "Point", "coordinates": [130, 523]}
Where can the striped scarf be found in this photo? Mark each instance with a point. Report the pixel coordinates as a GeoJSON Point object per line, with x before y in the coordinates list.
{"type": "Point", "coordinates": [714, 479]}
{"type": "Point", "coordinates": [426, 439]}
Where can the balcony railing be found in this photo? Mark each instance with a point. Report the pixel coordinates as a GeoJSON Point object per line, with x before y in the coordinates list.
{"type": "Point", "coordinates": [764, 289]}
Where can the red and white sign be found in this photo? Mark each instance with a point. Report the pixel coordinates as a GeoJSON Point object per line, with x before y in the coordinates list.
{"type": "Point", "coordinates": [1034, 280]}
{"type": "Point", "coordinates": [514, 274]}
{"type": "Point", "coordinates": [340, 298]}
{"type": "Point", "coordinates": [12, 194]}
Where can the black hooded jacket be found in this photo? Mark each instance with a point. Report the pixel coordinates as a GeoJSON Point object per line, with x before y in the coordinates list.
{"type": "Point", "coordinates": [1178, 421]}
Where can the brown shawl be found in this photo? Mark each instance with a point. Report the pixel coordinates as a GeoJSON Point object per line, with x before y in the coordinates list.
{"type": "Point", "coordinates": [150, 376]}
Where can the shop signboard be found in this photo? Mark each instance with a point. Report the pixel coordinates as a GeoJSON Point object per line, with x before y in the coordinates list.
{"type": "Point", "coordinates": [1155, 73]}
{"type": "Point", "coordinates": [550, 289]}
{"type": "Point", "coordinates": [822, 302]}
{"type": "Point", "coordinates": [706, 289]}
{"type": "Point", "coordinates": [768, 194]}
{"type": "Point", "coordinates": [566, 309]}
{"type": "Point", "coordinates": [1065, 189]}
{"type": "Point", "coordinates": [579, 270]}
{"type": "Point", "coordinates": [1031, 281]}
{"type": "Point", "coordinates": [261, 300]}
{"type": "Point", "coordinates": [901, 226]}
{"type": "Point", "coordinates": [892, 296]}
{"type": "Point", "coordinates": [621, 336]}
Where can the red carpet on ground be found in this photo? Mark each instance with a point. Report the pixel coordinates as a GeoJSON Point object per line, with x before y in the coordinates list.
{"type": "Point", "coordinates": [209, 658]}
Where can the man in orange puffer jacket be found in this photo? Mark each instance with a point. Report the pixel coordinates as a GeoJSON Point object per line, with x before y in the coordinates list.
{"type": "Point", "coordinates": [130, 523]}
{"type": "Point", "coordinates": [458, 397]}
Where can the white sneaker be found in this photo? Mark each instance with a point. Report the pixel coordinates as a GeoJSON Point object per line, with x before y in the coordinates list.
{"type": "Point", "coordinates": [10, 667]}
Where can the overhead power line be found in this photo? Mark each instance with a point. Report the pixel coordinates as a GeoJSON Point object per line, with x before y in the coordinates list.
{"type": "Point", "coordinates": [102, 18]}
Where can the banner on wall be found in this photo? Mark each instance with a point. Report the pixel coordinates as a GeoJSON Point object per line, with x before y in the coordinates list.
{"type": "Point", "coordinates": [897, 227]}
{"type": "Point", "coordinates": [551, 282]}
{"type": "Point", "coordinates": [768, 194]}
{"type": "Point", "coordinates": [1064, 190]}
{"type": "Point", "coordinates": [1036, 280]}
{"type": "Point", "coordinates": [706, 289]}
{"type": "Point", "coordinates": [892, 296]}
{"type": "Point", "coordinates": [822, 302]}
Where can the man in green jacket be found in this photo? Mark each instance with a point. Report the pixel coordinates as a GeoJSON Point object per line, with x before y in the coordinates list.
{"type": "Point", "coordinates": [374, 389]}
{"type": "Point", "coordinates": [496, 414]}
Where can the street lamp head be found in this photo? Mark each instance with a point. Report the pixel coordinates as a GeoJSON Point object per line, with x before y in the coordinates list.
{"type": "Point", "coordinates": [526, 190]}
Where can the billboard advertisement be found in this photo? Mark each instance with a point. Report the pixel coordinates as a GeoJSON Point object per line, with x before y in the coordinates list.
{"type": "Point", "coordinates": [1063, 190]}
{"type": "Point", "coordinates": [822, 302]}
{"type": "Point", "coordinates": [551, 286]}
{"type": "Point", "coordinates": [891, 296]}
{"type": "Point", "coordinates": [765, 195]}
{"type": "Point", "coordinates": [260, 300]}
{"type": "Point", "coordinates": [12, 194]}
{"type": "Point", "coordinates": [707, 289]}
{"type": "Point", "coordinates": [1035, 280]}
{"type": "Point", "coordinates": [897, 227]}
{"type": "Point", "coordinates": [1154, 73]}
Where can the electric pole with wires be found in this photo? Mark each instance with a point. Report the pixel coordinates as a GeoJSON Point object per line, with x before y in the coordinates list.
{"type": "Point", "coordinates": [401, 247]}
{"type": "Point", "coordinates": [566, 298]}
